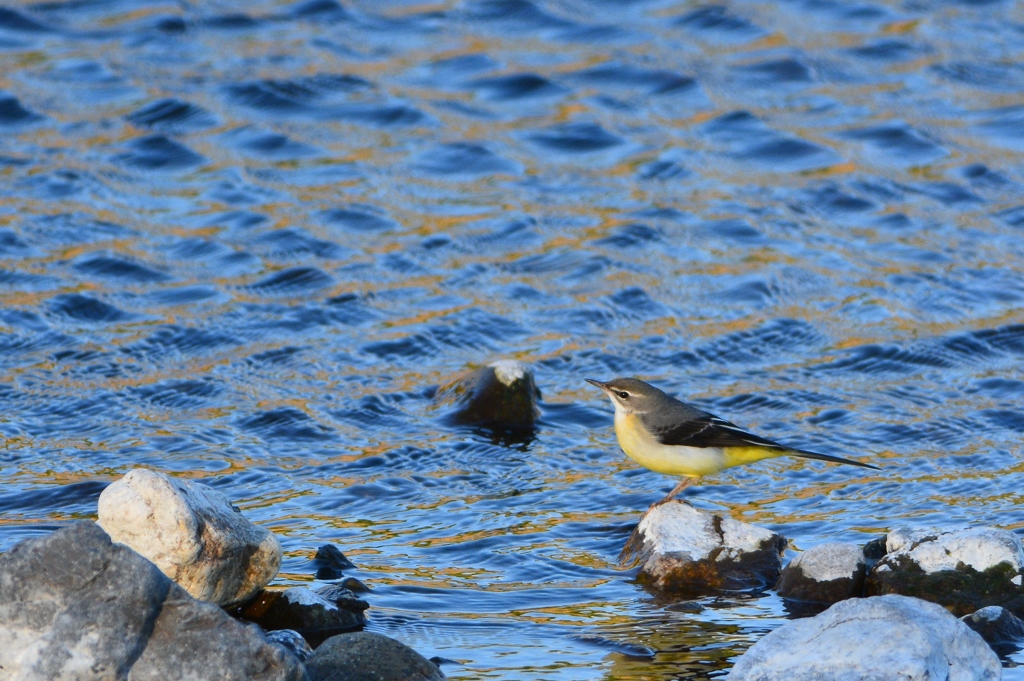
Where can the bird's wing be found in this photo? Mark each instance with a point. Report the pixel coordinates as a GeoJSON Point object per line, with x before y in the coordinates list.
{"type": "Point", "coordinates": [709, 431]}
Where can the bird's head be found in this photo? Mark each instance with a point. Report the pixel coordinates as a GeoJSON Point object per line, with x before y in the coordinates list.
{"type": "Point", "coordinates": [631, 395]}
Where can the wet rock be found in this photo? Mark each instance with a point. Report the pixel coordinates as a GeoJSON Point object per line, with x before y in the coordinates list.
{"type": "Point", "coordinates": [502, 394]}
{"type": "Point", "coordinates": [192, 533]}
{"type": "Point", "coordinates": [75, 606]}
{"type": "Point", "coordinates": [354, 585]}
{"type": "Point", "coordinates": [329, 562]}
{"type": "Point", "coordinates": [963, 570]}
{"type": "Point", "coordinates": [887, 637]}
{"type": "Point", "coordinates": [342, 596]}
{"type": "Point", "coordinates": [686, 551]}
{"type": "Point", "coordinates": [311, 614]}
{"type": "Point", "coordinates": [292, 641]}
{"type": "Point", "coordinates": [827, 573]}
{"type": "Point", "coordinates": [369, 657]}
{"type": "Point", "coordinates": [998, 626]}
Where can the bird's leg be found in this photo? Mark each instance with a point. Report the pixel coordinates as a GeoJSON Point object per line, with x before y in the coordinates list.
{"type": "Point", "coordinates": [683, 484]}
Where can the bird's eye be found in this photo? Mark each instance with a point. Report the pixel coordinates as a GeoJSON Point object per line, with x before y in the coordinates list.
{"type": "Point", "coordinates": [623, 394]}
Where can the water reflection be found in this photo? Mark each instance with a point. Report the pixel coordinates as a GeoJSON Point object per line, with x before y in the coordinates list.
{"type": "Point", "coordinates": [242, 243]}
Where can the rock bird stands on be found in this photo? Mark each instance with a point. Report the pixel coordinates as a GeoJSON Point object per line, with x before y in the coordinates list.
{"type": "Point", "coordinates": [668, 436]}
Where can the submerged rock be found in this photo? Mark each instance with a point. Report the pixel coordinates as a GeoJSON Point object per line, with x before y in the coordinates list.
{"type": "Point", "coordinates": [683, 550]}
{"type": "Point", "coordinates": [329, 562]}
{"type": "Point", "coordinates": [301, 609]}
{"type": "Point", "coordinates": [74, 605]}
{"type": "Point", "coordinates": [998, 626]}
{"type": "Point", "coordinates": [827, 573]}
{"type": "Point", "coordinates": [502, 394]}
{"type": "Point", "coordinates": [192, 533]}
{"type": "Point", "coordinates": [887, 637]}
{"type": "Point", "coordinates": [963, 570]}
{"type": "Point", "coordinates": [369, 657]}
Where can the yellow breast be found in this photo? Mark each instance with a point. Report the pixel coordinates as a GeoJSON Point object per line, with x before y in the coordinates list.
{"type": "Point", "coordinates": [639, 445]}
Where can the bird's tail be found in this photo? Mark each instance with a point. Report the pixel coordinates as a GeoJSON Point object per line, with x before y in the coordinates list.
{"type": "Point", "coordinates": [833, 459]}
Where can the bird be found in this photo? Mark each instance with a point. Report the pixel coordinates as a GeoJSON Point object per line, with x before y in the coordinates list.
{"type": "Point", "coordinates": [668, 436]}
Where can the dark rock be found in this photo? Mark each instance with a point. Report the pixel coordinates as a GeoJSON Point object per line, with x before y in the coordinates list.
{"type": "Point", "coordinates": [888, 637]}
{"type": "Point", "coordinates": [501, 395]}
{"type": "Point", "coordinates": [1000, 628]}
{"type": "Point", "coordinates": [355, 586]}
{"type": "Point", "coordinates": [963, 570]}
{"type": "Point", "coordinates": [305, 611]}
{"type": "Point", "coordinates": [74, 605]}
{"type": "Point", "coordinates": [369, 657]}
{"type": "Point", "coordinates": [292, 641]}
{"type": "Point", "coordinates": [342, 597]}
{"type": "Point", "coordinates": [688, 552]}
{"type": "Point", "coordinates": [329, 562]}
{"type": "Point", "coordinates": [827, 573]}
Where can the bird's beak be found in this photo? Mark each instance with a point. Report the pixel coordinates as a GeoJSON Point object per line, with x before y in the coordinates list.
{"type": "Point", "coordinates": [599, 384]}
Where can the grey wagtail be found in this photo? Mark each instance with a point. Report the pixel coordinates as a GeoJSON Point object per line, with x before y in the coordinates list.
{"type": "Point", "coordinates": [668, 436]}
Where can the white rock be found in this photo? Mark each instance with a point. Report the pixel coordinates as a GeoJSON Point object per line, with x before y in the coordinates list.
{"type": "Point", "coordinates": [977, 547]}
{"type": "Point", "coordinates": [826, 562]}
{"type": "Point", "coordinates": [871, 639]}
{"type": "Point", "coordinates": [681, 547]}
{"type": "Point", "coordinates": [192, 533]}
{"type": "Point", "coordinates": [508, 371]}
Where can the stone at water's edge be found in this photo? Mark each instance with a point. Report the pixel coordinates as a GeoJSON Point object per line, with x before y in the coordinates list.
{"type": "Point", "coordinates": [192, 533]}
{"type": "Point", "coordinates": [827, 573]}
{"type": "Point", "coordinates": [75, 606]}
{"type": "Point", "coordinates": [996, 625]}
{"type": "Point", "coordinates": [683, 550]}
{"type": "Point", "coordinates": [502, 394]}
{"type": "Point", "coordinates": [871, 639]}
{"type": "Point", "coordinates": [310, 613]}
{"type": "Point", "coordinates": [369, 657]}
{"type": "Point", "coordinates": [963, 570]}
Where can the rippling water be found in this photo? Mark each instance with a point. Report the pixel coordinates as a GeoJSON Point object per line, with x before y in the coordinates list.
{"type": "Point", "coordinates": [240, 242]}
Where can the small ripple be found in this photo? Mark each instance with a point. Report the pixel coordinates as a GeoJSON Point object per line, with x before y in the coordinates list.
{"type": "Point", "coordinates": [286, 423]}
{"type": "Point", "coordinates": [715, 22]}
{"type": "Point", "coordinates": [519, 14]}
{"type": "Point", "coordinates": [360, 218]}
{"type": "Point", "coordinates": [576, 138]}
{"type": "Point", "coordinates": [629, 236]}
{"type": "Point", "coordinates": [775, 72]}
{"type": "Point", "coordinates": [285, 244]}
{"type": "Point", "coordinates": [11, 20]}
{"type": "Point", "coordinates": [268, 144]}
{"type": "Point", "coordinates": [186, 295]}
{"type": "Point", "coordinates": [887, 50]}
{"type": "Point", "coordinates": [22, 281]}
{"type": "Point", "coordinates": [515, 86]}
{"type": "Point", "coordinates": [13, 114]}
{"type": "Point", "coordinates": [158, 152]}
{"type": "Point", "coordinates": [178, 340]}
{"type": "Point", "coordinates": [118, 269]}
{"type": "Point", "coordinates": [1000, 77]}
{"type": "Point", "coordinates": [172, 116]}
{"type": "Point", "coordinates": [294, 97]}
{"type": "Point", "coordinates": [464, 158]}
{"type": "Point", "coordinates": [1004, 126]}
{"type": "Point", "coordinates": [179, 394]}
{"type": "Point", "coordinates": [748, 139]}
{"type": "Point", "coordinates": [768, 341]}
{"type": "Point", "coordinates": [653, 81]}
{"type": "Point", "coordinates": [898, 143]}
{"type": "Point", "coordinates": [326, 11]}
{"type": "Point", "coordinates": [85, 309]}
{"type": "Point", "coordinates": [78, 497]}
{"type": "Point", "coordinates": [294, 281]}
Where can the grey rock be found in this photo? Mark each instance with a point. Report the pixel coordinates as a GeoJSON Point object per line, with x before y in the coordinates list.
{"type": "Point", "coordinates": [502, 394]}
{"type": "Point", "coordinates": [75, 606]}
{"type": "Point", "coordinates": [963, 570]}
{"type": "Point", "coordinates": [307, 612]}
{"type": "Point", "coordinates": [871, 639]}
{"type": "Point", "coordinates": [369, 657]}
{"type": "Point", "coordinates": [827, 573]}
{"type": "Point", "coordinates": [685, 551]}
{"type": "Point", "coordinates": [996, 625]}
{"type": "Point", "coordinates": [192, 533]}
{"type": "Point", "coordinates": [292, 641]}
